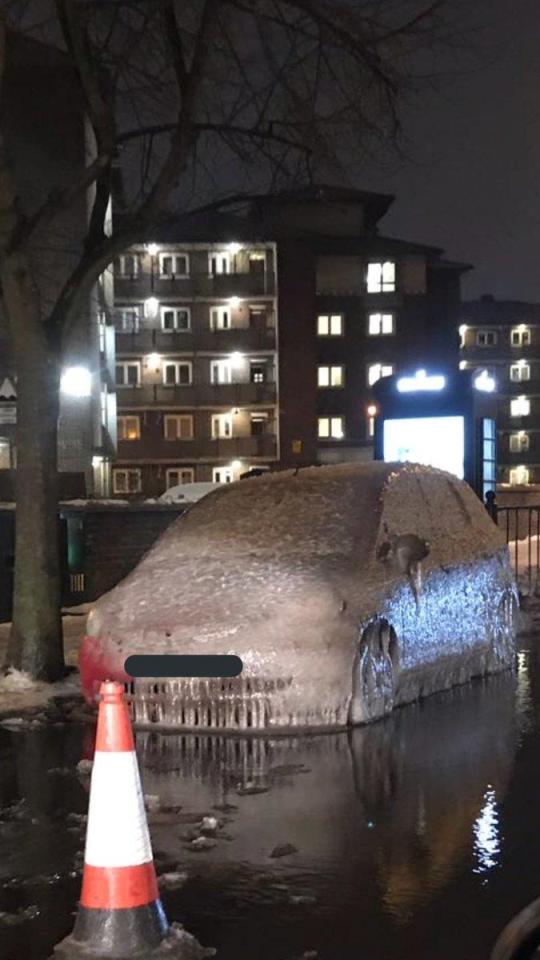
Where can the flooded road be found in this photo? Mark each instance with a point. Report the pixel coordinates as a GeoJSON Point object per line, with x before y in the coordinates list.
{"type": "Point", "coordinates": [416, 837]}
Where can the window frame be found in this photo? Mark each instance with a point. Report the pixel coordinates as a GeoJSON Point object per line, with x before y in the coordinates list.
{"type": "Point", "coordinates": [121, 261]}
{"type": "Point", "coordinates": [381, 332]}
{"type": "Point", "coordinates": [175, 275]}
{"type": "Point", "coordinates": [179, 470]}
{"type": "Point", "coordinates": [519, 447]}
{"type": "Point", "coordinates": [515, 470]}
{"type": "Point", "coordinates": [176, 309]}
{"type": "Point", "coordinates": [213, 255]}
{"type": "Point", "coordinates": [330, 317]}
{"type": "Point", "coordinates": [487, 333]}
{"type": "Point", "coordinates": [177, 364]}
{"type": "Point", "coordinates": [124, 417]}
{"type": "Point", "coordinates": [119, 312]}
{"type": "Point", "coordinates": [125, 364]}
{"type": "Point", "coordinates": [332, 420]}
{"type": "Point", "coordinates": [331, 367]}
{"type": "Point", "coordinates": [517, 400]}
{"type": "Point", "coordinates": [127, 470]}
{"type": "Point", "coordinates": [382, 366]}
{"type": "Point", "coordinates": [221, 364]}
{"type": "Point", "coordinates": [221, 418]}
{"type": "Point", "coordinates": [220, 310]}
{"type": "Point", "coordinates": [523, 337]}
{"type": "Point", "coordinates": [382, 285]}
{"type": "Point", "coordinates": [177, 417]}
{"type": "Point", "coordinates": [227, 470]}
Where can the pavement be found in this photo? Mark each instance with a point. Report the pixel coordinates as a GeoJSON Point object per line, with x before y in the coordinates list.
{"type": "Point", "coordinates": [19, 693]}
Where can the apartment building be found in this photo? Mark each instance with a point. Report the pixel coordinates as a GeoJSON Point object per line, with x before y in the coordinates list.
{"type": "Point", "coordinates": [503, 337]}
{"type": "Point", "coordinates": [254, 342]}
{"type": "Point", "coordinates": [196, 361]}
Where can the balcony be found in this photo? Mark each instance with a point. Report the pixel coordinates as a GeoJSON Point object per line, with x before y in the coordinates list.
{"type": "Point", "coordinates": [244, 339]}
{"type": "Point", "coordinates": [230, 448]}
{"type": "Point", "coordinates": [219, 286]}
{"type": "Point", "coordinates": [197, 395]}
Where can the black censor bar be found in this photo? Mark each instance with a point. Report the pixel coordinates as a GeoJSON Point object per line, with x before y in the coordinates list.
{"type": "Point", "coordinates": [177, 665]}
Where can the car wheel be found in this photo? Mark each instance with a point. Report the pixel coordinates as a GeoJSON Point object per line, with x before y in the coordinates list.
{"type": "Point", "coordinates": [374, 673]}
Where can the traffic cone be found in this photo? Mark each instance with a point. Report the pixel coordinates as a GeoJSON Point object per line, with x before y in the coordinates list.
{"type": "Point", "coordinates": [120, 914]}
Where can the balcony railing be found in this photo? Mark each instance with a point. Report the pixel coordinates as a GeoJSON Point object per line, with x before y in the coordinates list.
{"type": "Point", "coordinates": [229, 448]}
{"type": "Point", "coordinates": [197, 395]}
{"type": "Point", "coordinates": [221, 285]}
{"type": "Point", "coordinates": [221, 341]}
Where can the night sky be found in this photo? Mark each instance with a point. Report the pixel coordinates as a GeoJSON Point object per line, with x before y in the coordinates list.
{"type": "Point", "coordinates": [473, 186]}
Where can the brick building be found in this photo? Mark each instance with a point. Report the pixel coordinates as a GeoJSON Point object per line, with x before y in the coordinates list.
{"type": "Point", "coordinates": [254, 342]}
{"type": "Point", "coordinates": [503, 336]}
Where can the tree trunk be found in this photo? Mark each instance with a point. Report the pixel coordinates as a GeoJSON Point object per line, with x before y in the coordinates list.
{"type": "Point", "coordinates": [35, 643]}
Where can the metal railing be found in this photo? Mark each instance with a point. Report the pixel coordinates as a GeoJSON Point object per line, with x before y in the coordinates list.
{"type": "Point", "coordinates": [521, 526]}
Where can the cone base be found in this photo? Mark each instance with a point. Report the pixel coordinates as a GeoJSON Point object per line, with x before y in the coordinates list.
{"type": "Point", "coordinates": [178, 944]}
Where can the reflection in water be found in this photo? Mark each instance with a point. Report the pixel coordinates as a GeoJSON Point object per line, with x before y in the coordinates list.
{"type": "Point", "coordinates": [389, 822]}
{"type": "Point", "coordinates": [487, 846]}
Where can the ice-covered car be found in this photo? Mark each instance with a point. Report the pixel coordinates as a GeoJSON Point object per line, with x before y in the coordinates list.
{"type": "Point", "coordinates": [346, 590]}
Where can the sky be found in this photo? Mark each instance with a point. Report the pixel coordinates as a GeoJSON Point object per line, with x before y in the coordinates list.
{"type": "Point", "coordinates": [471, 184]}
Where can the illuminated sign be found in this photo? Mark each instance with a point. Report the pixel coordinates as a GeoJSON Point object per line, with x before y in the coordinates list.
{"type": "Point", "coordinates": [433, 441]}
{"type": "Point", "coordinates": [421, 381]}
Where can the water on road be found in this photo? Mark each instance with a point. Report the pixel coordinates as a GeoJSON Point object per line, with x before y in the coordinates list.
{"type": "Point", "coordinates": [417, 837]}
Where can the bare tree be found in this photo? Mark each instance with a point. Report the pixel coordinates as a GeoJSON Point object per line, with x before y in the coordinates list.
{"type": "Point", "coordinates": [191, 105]}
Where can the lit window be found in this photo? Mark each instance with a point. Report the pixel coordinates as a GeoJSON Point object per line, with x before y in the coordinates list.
{"type": "Point", "coordinates": [519, 442]}
{"type": "Point", "coordinates": [175, 318]}
{"type": "Point", "coordinates": [129, 428]}
{"type": "Point", "coordinates": [520, 407]}
{"type": "Point", "coordinates": [380, 324]}
{"type": "Point", "coordinates": [381, 277]}
{"type": "Point", "coordinates": [127, 265]}
{"type": "Point", "coordinates": [177, 373]}
{"type": "Point", "coordinates": [128, 373]}
{"type": "Point", "coordinates": [377, 370]}
{"type": "Point", "coordinates": [330, 325]}
{"type": "Point", "coordinates": [5, 454]}
{"type": "Point", "coordinates": [519, 476]}
{"type": "Point", "coordinates": [220, 371]}
{"type": "Point", "coordinates": [127, 319]}
{"type": "Point", "coordinates": [257, 262]}
{"type": "Point", "coordinates": [486, 338]}
{"type": "Point", "coordinates": [222, 475]}
{"type": "Point", "coordinates": [178, 476]}
{"type": "Point", "coordinates": [219, 263]}
{"type": "Point", "coordinates": [330, 428]}
{"type": "Point", "coordinates": [220, 318]}
{"type": "Point", "coordinates": [330, 376]}
{"type": "Point", "coordinates": [221, 426]}
{"type": "Point", "coordinates": [177, 426]}
{"type": "Point", "coordinates": [520, 371]}
{"type": "Point", "coordinates": [257, 372]}
{"type": "Point", "coordinates": [173, 265]}
{"type": "Point", "coordinates": [126, 481]}
{"type": "Point", "coordinates": [520, 337]}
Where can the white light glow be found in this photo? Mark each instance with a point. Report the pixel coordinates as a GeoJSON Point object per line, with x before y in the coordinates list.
{"type": "Point", "coordinates": [433, 441]}
{"type": "Point", "coordinates": [463, 329]}
{"type": "Point", "coordinates": [421, 381]}
{"type": "Point", "coordinates": [234, 302]}
{"type": "Point", "coordinates": [76, 382]}
{"type": "Point", "coordinates": [462, 364]}
{"type": "Point", "coordinates": [487, 847]}
{"type": "Point", "coordinates": [97, 461]}
{"type": "Point", "coordinates": [236, 464]}
{"type": "Point", "coordinates": [372, 410]}
{"type": "Point", "coordinates": [151, 305]}
{"type": "Point", "coordinates": [153, 359]}
{"type": "Point", "coordinates": [152, 249]}
{"type": "Point", "coordinates": [234, 248]}
{"type": "Point", "coordinates": [485, 382]}
{"type": "Point", "coordinates": [236, 359]}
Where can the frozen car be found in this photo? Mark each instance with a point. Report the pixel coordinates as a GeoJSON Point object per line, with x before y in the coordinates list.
{"type": "Point", "coordinates": [346, 590]}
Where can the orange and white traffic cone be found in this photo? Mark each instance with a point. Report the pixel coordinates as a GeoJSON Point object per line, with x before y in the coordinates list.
{"type": "Point", "coordinates": [120, 914]}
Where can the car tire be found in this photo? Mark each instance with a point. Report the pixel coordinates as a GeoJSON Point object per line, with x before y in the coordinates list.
{"type": "Point", "coordinates": [374, 673]}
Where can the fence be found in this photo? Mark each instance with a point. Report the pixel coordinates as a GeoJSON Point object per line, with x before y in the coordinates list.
{"type": "Point", "coordinates": [521, 526]}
